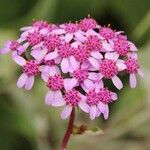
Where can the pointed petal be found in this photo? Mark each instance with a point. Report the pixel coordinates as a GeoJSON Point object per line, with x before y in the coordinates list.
{"type": "Point", "coordinates": [22, 80]}
{"type": "Point", "coordinates": [65, 65]}
{"type": "Point", "coordinates": [66, 112]}
{"type": "Point", "coordinates": [117, 82]}
{"type": "Point", "coordinates": [133, 80]}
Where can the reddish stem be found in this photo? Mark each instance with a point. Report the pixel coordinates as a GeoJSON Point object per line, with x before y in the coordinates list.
{"type": "Point", "coordinates": [69, 131]}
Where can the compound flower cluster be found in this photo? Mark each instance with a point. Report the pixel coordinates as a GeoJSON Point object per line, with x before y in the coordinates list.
{"type": "Point", "coordinates": [75, 60]}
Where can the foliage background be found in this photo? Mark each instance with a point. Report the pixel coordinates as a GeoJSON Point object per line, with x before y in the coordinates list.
{"type": "Point", "coordinates": [26, 123]}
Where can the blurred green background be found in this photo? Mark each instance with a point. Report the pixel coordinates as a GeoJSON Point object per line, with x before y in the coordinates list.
{"type": "Point", "coordinates": [26, 123]}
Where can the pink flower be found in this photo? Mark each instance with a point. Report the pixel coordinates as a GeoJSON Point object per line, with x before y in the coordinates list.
{"type": "Point", "coordinates": [75, 60]}
{"type": "Point", "coordinates": [13, 46]}
{"type": "Point", "coordinates": [107, 33]}
{"type": "Point", "coordinates": [98, 101]}
{"type": "Point", "coordinates": [110, 67]}
{"type": "Point", "coordinates": [64, 52]}
{"type": "Point", "coordinates": [133, 68]}
{"type": "Point", "coordinates": [30, 70]}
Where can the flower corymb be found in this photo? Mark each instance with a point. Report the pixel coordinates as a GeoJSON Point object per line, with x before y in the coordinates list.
{"type": "Point", "coordinates": [75, 61]}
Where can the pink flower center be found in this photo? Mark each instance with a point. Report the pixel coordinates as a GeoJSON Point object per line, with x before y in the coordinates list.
{"type": "Point", "coordinates": [80, 74]}
{"type": "Point", "coordinates": [40, 24]}
{"type": "Point", "coordinates": [51, 42]}
{"type": "Point", "coordinates": [31, 68]}
{"type": "Point", "coordinates": [72, 98]}
{"type": "Point", "coordinates": [34, 38]}
{"type": "Point", "coordinates": [82, 53]}
{"type": "Point", "coordinates": [14, 45]}
{"type": "Point", "coordinates": [65, 50]}
{"type": "Point", "coordinates": [108, 68]}
{"type": "Point", "coordinates": [72, 27]}
{"type": "Point", "coordinates": [105, 95]}
{"type": "Point", "coordinates": [87, 23]}
{"type": "Point", "coordinates": [121, 45]}
{"type": "Point", "coordinates": [92, 98]}
{"type": "Point", "coordinates": [107, 33]}
{"type": "Point", "coordinates": [132, 65]}
{"type": "Point", "coordinates": [93, 43]}
{"type": "Point", "coordinates": [55, 82]}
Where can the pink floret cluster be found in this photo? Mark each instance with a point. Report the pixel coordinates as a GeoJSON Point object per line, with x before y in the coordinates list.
{"type": "Point", "coordinates": [75, 60]}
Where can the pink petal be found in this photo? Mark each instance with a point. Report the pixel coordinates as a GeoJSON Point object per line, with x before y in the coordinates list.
{"type": "Point", "coordinates": [29, 83]}
{"type": "Point", "coordinates": [19, 60]}
{"type": "Point", "coordinates": [68, 37]}
{"type": "Point", "coordinates": [53, 70]}
{"type": "Point", "coordinates": [66, 112]}
{"type": "Point", "coordinates": [80, 37]}
{"type": "Point", "coordinates": [70, 83]}
{"type": "Point", "coordinates": [104, 109]}
{"type": "Point", "coordinates": [114, 96]}
{"type": "Point", "coordinates": [49, 97]}
{"type": "Point", "coordinates": [58, 31]}
{"type": "Point", "coordinates": [4, 50]}
{"type": "Point", "coordinates": [44, 31]}
{"type": "Point", "coordinates": [106, 113]}
{"type": "Point", "coordinates": [51, 55]}
{"type": "Point", "coordinates": [93, 112]}
{"type": "Point", "coordinates": [132, 46]}
{"type": "Point", "coordinates": [133, 80]}
{"type": "Point", "coordinates": [140, 73]}
{"type": "Point", "coordinates": [117, 82]}
{"type": "Point", "coordinates": [94, 62]}
{"type": "Point", "coordinates": [89, 84]}
{"type": "Point", "coordinates": [107, 46]}
{"type": "Point", "coordinates": [96, 55]}
{"type": "Point", "coordinates": [93, 76]}
{"type": "Point", "coordinates": [58, 99]}
{"type": "Point", "coordinates": [75, 44]}
{"type": "Point", "coordinates": [25, 28]}
{"type": "Point", "coordinates": [98, 85]}
{"type": "Point", "coordinates": [74, 63]}
{"type": "Point", "coordinates": [112, 56]}
{"type": "Point", "coordinates": [38, 46]}
{"type": "Point", "coordinates": [84, 106]}
{"type": "Point", "coordinates": [121, 66]}
{"type": "Point", "coordinates": [21, 81]}
{"type": "Point", "coordinates": [65, 65]}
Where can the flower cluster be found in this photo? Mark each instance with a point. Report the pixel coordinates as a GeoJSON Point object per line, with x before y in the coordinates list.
{"type": "Point", "coordinates": [74, 60]}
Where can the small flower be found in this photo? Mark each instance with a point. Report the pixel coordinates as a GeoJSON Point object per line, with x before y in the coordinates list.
{"type": "Point", "coordinates": [133, 68]}
{"type": "Point", "coordinates": [107, 33]}
{"type": "Point", "coordinates": [13, 46]}
{"type": "Point", "coordinates": [30, 70]}
{"type": "Point", "coordinates": [87, 23]}
{"type": "Point", "coordinates": [110, 67]}
{"type": "Point", "coordinates": [65, 53]}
